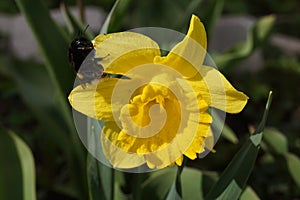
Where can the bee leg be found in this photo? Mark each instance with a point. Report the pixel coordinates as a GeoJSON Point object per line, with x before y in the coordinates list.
{"type": "Point", "coordinates": [98, 60]}
{"type": "Point", "coordinates": [81, 82]}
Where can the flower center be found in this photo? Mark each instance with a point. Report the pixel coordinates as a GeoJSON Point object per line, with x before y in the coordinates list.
{"type": "Point", "coordinates": [147, 113]}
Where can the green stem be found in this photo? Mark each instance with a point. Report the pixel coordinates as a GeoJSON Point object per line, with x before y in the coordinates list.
{"type": "Point", "coordinates": [178, 176]}
{"type": "Point", "coordinates": [112, 174]}
{"type": "Point", "coordinates": [136, 187]}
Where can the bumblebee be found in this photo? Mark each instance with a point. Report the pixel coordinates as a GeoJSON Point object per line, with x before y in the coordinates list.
{"type": "Point", "coordinates": [81, 56]}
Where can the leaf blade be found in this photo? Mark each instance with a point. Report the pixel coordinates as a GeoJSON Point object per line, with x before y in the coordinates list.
{"type": "Point", "coordinates": [21, 183]}
{"type": "Point", "coordinates": [293, 164]}
{"type": "Point", "coordinates": [158, 184]}
{"type": "Point", "coordinates": [54, 49]}
{"type": "Point", "coordinates": [276, 140]}
{"type": "Point", "coordinates": [234, 177]}
{"type": "Point", "coordinates": [93, 177]}
{"type": "Point", "coordinates": [191, 184]}
{"type": "Point", "coordinates": [27, 166]}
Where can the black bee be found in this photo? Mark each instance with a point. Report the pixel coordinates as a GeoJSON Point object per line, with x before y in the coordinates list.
{"type": "Point", "coordinates": [81, 55]}
{"type": "Point", "coordinates": [78, 50]}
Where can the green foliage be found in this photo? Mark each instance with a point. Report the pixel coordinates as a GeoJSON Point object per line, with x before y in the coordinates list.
{"type": "Point", "coordinates": [276, 141]}
{"type": "Point", "coordinates": [249, 194]}
{"type": "Point", "coordinates": [157, 186]}
{"type": "Point", "coordinates": [257, 36]}
{"type": "Point", "coordinates": [293, 163]}
{"type": "Point", "coordinates": [96, 189]}
{"type": "Point", "coordinates": [17, 170]}
{"type": "Point", "coordinates": [233, 179]}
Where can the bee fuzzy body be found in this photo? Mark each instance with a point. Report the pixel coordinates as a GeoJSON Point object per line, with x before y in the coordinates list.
{"type": "Point", "coordinates": [82, 59]}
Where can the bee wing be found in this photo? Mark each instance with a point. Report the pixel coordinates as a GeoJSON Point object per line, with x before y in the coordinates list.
{"type": "Point", "coordinates": [90, 70]}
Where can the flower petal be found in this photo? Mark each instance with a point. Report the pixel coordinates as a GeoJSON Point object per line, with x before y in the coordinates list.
{"type": "Point", "coordinates": [188, 53]}
{"type": "Point", "coordinates": [116, 156]}
{"type": "Point", "coordinates": [125, 50]}
{"type": "Point", "coordinates": [198, 144]}
{"type": "Point", "coordinates": [189, 142]}
{"type": "Point", "coordinates": [217, 91]}
{"type": "Point", "coordinates": [163, 158]}
{"type": "Point", "coordinates": [99, 100]}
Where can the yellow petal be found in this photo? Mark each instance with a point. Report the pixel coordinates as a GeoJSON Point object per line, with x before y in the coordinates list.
{"type": "Point", "coordinates": [186, 143]}
{"type": "Point", "coordinates": [172, 153]}
{"type": "Point", "coordinates": [116, 156]}
{"type": "Point", "coordinates": [198, 144]}
{"type": "Point", "coordinates": [179, 161]}
{"type": "Point", "coordinates": [125, 50]}
{"type": "Point", "coordinates": [217, 91]}
{"type": "Point", "coordinates": [189, 53]}
{"type": "Point", "coordinates": [163, 158]}
{"type": "Point", "coordinates": [99, 100]}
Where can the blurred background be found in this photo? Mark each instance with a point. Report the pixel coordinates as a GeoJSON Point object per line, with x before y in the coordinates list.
{"type": "Point", "coordinates": [256, 44]}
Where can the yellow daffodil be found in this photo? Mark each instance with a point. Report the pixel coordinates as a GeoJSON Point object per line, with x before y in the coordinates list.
{"type": "Point", "coordinates": [158, 111]}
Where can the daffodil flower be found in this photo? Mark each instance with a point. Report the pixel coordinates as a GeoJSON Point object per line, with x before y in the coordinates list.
{"type": "Point", "coordinates": [159, 112]}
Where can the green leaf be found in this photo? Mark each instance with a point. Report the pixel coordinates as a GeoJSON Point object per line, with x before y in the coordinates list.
{"type": "Point", "coordinates": [34, 85]}
{"type": "Point", "coordinates": [276, 140]}
{"type": "Point", "coordinates": [234, 178]}
{"type": "Point", "coordinates": [52, 42]}
{"type": "Point", "coordinates": [93, 176]}
{"type": "Point", "coordinates": [191, 184]}
{"type": "Point", "coordinates": [107, 180]}
{"type": "Point", "coordinates": [53, 46]}
{"type": "Point", "coordinates": [75, 27]}
{"type": "Point", "coordinates": [187, 185]}
{"type": "Point", "coordinates": [105, 26]}
{"type": "Point", "coordinates": [119, 184]}
{"type": "Point", "coordinates": [98, 173]}
{"type": "Point", "coordinates": [229, 135]}
{"type": "Point", "coordinates": [115, 16]}
{"type": "Point", "coordinates": [158, 184]}
{"type": "Point", "coordinates": [209, 179]}
{"type": "Point", "coordinates": [293, 164]}
{"type": "Point", "coordinates": [17, 171]}
{"type": "Point", "coordinates": [176, 189]}
{"type": "Point", "coordinates": [249, 194]}
{"type": "Point", "coordinates": [257, 36]}
{"type": "Point", "coordinates": [101, 181]}
{"type": "Point", "coordinates": [173, 193]}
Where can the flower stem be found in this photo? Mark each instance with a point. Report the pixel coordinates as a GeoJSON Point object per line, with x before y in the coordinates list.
{"type": "Point", "coordinates": [112, 191]}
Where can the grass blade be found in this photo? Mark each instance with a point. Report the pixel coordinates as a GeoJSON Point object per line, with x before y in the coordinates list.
{"type": "Point", "coordinates": [94, 183]}
{"type": "Point", "coordinates": [52, 42]}
{"type": "Point", "coordinates": [234, 178]}
{"type": "Point", "coordinates": [98, 173]}
{"type": "Point", "coordinates": [107, 22]}
{"type": "Point", "coordinates": [17, 170]}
